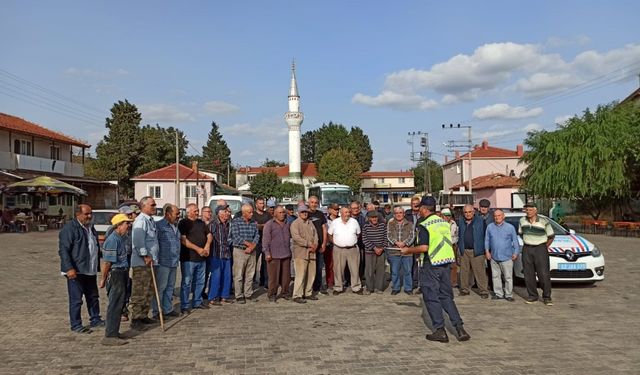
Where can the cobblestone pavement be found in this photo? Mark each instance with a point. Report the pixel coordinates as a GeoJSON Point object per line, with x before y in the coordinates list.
{"type": "Point", "coordinates": [590, 330]}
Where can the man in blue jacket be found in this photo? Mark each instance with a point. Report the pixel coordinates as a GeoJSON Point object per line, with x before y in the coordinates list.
{"type": "Point", "coordinates": [78, 249]}
{"type": "Point", "coordinates": [471, 247]}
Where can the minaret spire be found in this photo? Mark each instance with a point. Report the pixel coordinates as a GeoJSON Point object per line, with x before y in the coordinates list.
{"type": "Point", "coordinates": [294, 119]}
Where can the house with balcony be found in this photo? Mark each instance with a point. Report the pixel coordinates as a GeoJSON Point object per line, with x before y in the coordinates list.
{"type": "Point", "coordinates": [28, 150]}
{"type": "Point", "coordinates": [388, 187]}
{"type": "Point", "coordinates": [485, 160]}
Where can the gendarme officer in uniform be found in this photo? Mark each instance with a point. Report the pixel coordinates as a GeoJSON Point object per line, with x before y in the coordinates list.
{"type": "Point", "coordinates": [433, 243]}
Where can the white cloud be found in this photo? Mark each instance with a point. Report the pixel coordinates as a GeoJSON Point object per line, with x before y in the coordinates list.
{"type": "Point", "coordinates": [526, 68]}
{"type": "Point", "coordinates": [395, 100]}
{"type": "Point", "coordinates": [560, 120]}
{"type": "Point", "coordinates": [505, 111]}
{"type": "Point", "coordinates": [219, 107]}
{"type": "Point", "coordinates": [164, 114]}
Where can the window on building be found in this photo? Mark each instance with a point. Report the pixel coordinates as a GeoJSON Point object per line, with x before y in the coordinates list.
{"type": "Point", "coordinates": [22, 147]}
{"type": "Point", "coordinates": [381, 180]}
{"type": "Point", "coordinates": [458, 169]}
{"type": "Point", "coordinates": [155, 191]}
{"type": "Point", "coordinates": [191, 191]}
{"type": "Point", "coordinates": [401, 180]}
{"type": "Point", "coordinates": [55, 152]}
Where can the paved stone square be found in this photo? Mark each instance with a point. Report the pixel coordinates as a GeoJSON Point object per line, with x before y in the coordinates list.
{"type": "Point", "coordinates": [590, 330]}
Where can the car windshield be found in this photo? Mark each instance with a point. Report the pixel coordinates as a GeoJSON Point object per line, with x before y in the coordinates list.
{"type": "Point", "coordinates": [102, 218]}
{"type": "Point", "coordinates": [341, 197]}
{"type": "Point", "coordinates": [558, 230]}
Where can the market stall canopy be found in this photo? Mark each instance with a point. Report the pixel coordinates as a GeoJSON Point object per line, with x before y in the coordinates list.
{"type": "Point", "coordinates": [43, 184]}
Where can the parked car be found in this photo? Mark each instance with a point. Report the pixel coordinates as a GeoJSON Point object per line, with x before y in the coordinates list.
{"type": "Point", "coordinates": [101, 220]}
{"type": "Point", "coordinates": [571, 257]}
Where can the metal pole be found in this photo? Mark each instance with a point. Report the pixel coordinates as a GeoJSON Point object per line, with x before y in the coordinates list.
{"type": "Point", "coordinates": [197, 186]}
{"type": "Point", "coordinates": [427, 167]}
{"type": "Point", "coordinates": [177, 172]}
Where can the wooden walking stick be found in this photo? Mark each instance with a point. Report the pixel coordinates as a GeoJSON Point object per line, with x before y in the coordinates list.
{"type": "Point", "coordinates": [158, 300]}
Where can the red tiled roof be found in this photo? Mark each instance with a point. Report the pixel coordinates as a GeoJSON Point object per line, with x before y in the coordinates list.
{"type": "Point", "coordinates": [387, 174]}
{"type": "Point", "coordinates": [491, 181]}
{"type": "Point", "coordinates": [484, 151]}
{"type": "Point", "coordinates": [168, 173]}
{"type": "Point", "coordinates": [307, 169]}
{"type": "Point", "coordinates": [18, 125]}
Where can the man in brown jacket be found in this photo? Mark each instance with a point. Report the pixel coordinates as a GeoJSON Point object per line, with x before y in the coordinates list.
{"type": "Point", "coordinates": [305, 245]}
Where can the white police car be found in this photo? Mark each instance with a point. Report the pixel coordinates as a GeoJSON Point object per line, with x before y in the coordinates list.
{"type": "Point", "coordinates": [571, 257]}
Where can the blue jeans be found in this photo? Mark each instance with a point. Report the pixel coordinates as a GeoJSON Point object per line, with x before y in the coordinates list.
{"type": "Point", "coordinates": [166, 280]}
{"type": "Point", "coordinates": [398, 262]}
{"type": "Point", "coordinates": [83, 285]}
{"type": "Point", "coordinates": [435, 284]}
{"type": "Point", "coordinates": [192, 273]}
{"type": "Point", "coordinates": [220, 279]}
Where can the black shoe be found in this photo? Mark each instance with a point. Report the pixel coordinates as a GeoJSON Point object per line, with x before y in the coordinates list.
{"type": "Point", "coordinates": [439, 335]}
{"type": "Point", "coordinates": [202, 306]}
{"type": "Point", "coordinates": [147, 321]}
{"type": "Point", "coordinates": [299, 300]}
{"type": "Point", "coordinates": [242, 300]}
{"type": "Point", "coordinates": [185, 311]}
{"type": "Point", "coordinates": [324, 291]}
{"type": "Point", "coordinates": [547, 301]}
{"type": "Point", "coordinates": [215, 302]}
{"type": "Point", "coordinates": [113, 341]}
{"type": "Point", "coordinates": [395, 292]}
{"type": "Point", "coordinates": [484, 296]}
{"type": "Point", "coordinates": [408, 292]}
{"type": "Point", "coordinates": [172, 314]}
{"type": "Point", "coordinates": [530, 300]}
{"type": "Point", "coordinates": [359, 292]}
{"type": "Point", "coordinates": [462, 294]}
{"type": "Point", "coordinates": [273, 299]}
{"type": "Point", "coordinates": [137, 325]}
{"type": "Point", "coordinates": [312, 298]}
{"type": "Point", "coordinates": [83, 330]}
{"type": "Point", "coordinates": [462, 334]}
{"type": "Point", "coordinates": [510, 299]}
{"type": "Point", "coordinates": [286, 297]}
{"type": "Point", "coordinates": [335, 293]}
{"type": "Point", "coordinates": [100, 324]}
{"type": "Point", "coordinates": [494, 297]}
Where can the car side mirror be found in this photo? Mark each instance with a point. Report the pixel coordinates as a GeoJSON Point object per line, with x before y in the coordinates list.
{"type": "Point", "coordinates": [571, 231]}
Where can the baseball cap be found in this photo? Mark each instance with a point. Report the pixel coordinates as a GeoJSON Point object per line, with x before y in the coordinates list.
{"type": "Point", "coordinates": [428, 200]}
{"type": "Point", "coordinates": [303, 208]}
{"type": "Point", "coordinates": [446, 212]}
{"type": "Point", "coordinates": [372, 214]}
{"type": "Point", "coordinates": [125, 210]}
{"type": "Point", "coordinates": [530, 204]}
{"type": "Point", "coordinates": [119, 218]}
{"type": "Point", "coordinates": [484, 203]}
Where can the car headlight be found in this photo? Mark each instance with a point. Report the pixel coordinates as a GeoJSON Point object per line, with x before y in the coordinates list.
{"type": "Point", "coordinates": [595, 252]}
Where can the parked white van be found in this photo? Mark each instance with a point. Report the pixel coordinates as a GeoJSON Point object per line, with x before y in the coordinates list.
{"type": "Point", "coordinates": [235, 202]}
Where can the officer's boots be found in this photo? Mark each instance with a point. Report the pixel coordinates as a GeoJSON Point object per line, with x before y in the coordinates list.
{"type": "Point", "coordinates": [439, 335]}
{"type": "Point", "coordinates": [462, 334]}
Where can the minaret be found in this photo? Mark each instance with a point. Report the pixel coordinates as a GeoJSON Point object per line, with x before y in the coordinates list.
{"type": "Point", "coordinates": [294, 119]}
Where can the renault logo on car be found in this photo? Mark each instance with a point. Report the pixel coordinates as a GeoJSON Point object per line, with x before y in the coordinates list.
{"type": "Point", "coordinates": [569, 255]}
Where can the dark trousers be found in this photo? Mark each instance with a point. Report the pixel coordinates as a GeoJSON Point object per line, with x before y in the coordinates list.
{"type": "Point", "coordinates": [374, 271]}
{"type": "Point", "coordinates": [83, 285]}
{"type": "Point", "coordinates": [118, 278]}
{"type": "Point", "coordinates": [262, 278]}
{"type": "Point", "coordinates": [435, 285]}
{"type": "Point", "coordinates": [279, 276]}
{"type": "Point", "coordinates": [535, 260]}
{"type": "Point", "coordinates": [317, 281]}
{"type": "Point", "coordinates": [207, 275]}
{"type": "Point", "coordinates": [127, 294]}
{"type": "Point", "coordinates": [328, 265]}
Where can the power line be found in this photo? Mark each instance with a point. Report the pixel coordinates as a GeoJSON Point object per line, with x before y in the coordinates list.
{"type": "Point", "coordinates": [43, 106]}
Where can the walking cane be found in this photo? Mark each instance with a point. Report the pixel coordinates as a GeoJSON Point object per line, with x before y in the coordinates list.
{"type": "Point", "coordinates": [158, 300]}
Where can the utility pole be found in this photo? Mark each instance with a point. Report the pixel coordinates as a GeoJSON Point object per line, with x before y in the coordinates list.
{"type": "Point", "coordinates": [424, 156]}
{"type": "Point", "coordinates": [452, 145]}
{"type": "Point", "coordinates": [177, 172]}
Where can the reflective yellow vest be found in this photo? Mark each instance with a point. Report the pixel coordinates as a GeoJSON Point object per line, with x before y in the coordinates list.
{"type": "Point", "coordinates": [440, 246]}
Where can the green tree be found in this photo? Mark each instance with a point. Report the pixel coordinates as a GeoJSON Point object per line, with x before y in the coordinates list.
{"type": "Point", "coordinates": [592, 159]}
{"type": "Point", "coordinates": [435, 172]}
{"type": "Point", "coordinates": [265, 184]}
{"type": "Point", "coordinates": [268, 163]}
{"type": "Point", "coordinates": [290, 190]}
{"type": "Point", "coordinates": [158, 148]}
{"type": "Point", "coordinates": [118, 153]}
{"type": "Point", "coordinates": [216, 155]}
{"type": "Point", "coordinates": [308, 147]}
{"type": "Point", "coordinates": [341, 166]}
{"type": "Point", "coordinates": [361, 148]}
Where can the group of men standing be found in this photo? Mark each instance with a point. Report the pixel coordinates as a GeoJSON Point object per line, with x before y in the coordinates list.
{"type": "Point", "coordinates": [219, 256]}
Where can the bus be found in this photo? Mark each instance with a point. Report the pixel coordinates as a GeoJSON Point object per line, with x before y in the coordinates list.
{"type": "Point", "coordinates": [455, 199]}
{"type": "Point", "coordinates": [330, 192]}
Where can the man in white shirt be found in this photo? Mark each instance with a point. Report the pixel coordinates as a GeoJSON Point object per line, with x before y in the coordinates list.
{"type": "Point", "coordinates": [344, 235]}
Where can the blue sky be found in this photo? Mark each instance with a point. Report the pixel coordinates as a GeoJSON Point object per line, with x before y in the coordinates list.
{"type": "Point", "coordinates": [503, 67]}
